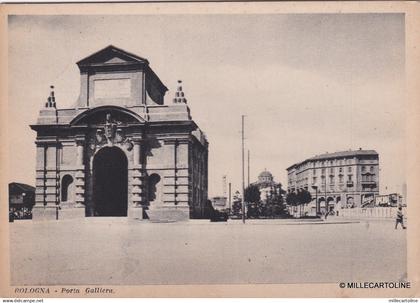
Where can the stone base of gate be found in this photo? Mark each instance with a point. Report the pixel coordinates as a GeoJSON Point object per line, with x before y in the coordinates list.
{"type": "Point", "coordinates": [49, 213]}
{"type": "Point", "coordinates": [72, 212]}
{"type": "Point", "coordinates": [135, 213]}
{"type": "Point", "coordinates": [44, 213]}
{"type": "Point", "coordinates": [168, 214]}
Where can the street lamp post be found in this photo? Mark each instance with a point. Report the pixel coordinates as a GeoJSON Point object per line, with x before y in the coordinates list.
{"type": "Point", "coordinates": [230, 199]}
{"type": "Point", "coordinates": [243, 172]}
{"type": "Point", "coordinates": [326, 203]}
{"type": "Point", "coordinates": [317, 208]}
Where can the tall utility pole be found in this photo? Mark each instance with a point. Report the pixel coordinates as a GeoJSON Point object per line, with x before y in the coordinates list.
{"type": "Point", "coordinates": [224, 185]}
{"type": "Point", "coordinates": [243, 170]}
{"type": "Point", "coordinates": [230, 198]}
{"type": "Point", "coordinates": [248, 168]}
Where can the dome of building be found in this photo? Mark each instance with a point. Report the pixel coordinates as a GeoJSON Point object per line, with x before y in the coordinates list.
{"type": "Point", "coordinates": [265, 176]}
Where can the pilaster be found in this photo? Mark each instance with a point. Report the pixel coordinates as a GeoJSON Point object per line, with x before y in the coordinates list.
{"type": "Point", "coordinates": [176, 178]}
{"type": "Point", "coordinates": [47, 184]}
{"type": "Point", "coordinates": [80, 172]}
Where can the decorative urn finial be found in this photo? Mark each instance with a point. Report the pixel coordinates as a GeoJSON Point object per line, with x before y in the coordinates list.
{"type": "Point", "coordinates": [179, 94]}
{"type": "Point", "coordinates": [51, 99]}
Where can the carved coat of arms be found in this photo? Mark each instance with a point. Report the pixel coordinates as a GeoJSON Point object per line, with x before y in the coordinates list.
{"type": "Point", "coordinates": [111, 134]}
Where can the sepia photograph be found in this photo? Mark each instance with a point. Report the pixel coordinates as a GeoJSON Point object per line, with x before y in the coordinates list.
{"type": "Point", "coordinates": [206, 147]}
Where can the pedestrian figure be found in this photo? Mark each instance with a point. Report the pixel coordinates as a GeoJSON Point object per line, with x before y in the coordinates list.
{"type": "Point", "coordinates": [400, 218]}
{"type": "Point", "coordinates": [326, 215]}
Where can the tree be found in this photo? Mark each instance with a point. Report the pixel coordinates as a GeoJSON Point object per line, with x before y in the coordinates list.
{"type": "Point", "coordinates": [253, 200]}
{"type": "Point", "coordinates": [291, 199]}
{"type": "Point", "coordinates": [237, 204]}
{"type": "Point", "coordinates": [275, 205]}
{"type": "Point", "coordinates": [299, 198]}
{"type": "Point", "coordinates": [252, 194]}
{"type": "Point", "coordinates": [306, 197]}
{"type": "Point", "coordinates": [303, 197]}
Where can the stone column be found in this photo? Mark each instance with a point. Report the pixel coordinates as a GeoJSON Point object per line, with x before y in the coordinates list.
{"type": "Point", "coordinates": [136, 152]}
{"type": "Point", "coordinates": [80, 143]}
{"type": "Point", "coordinates": [135, 209]}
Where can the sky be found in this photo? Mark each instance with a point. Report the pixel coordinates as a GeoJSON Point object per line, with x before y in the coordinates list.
{"type": "Point", "coordinates": [306, 83]}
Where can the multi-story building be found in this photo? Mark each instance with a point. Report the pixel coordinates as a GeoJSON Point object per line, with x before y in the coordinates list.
{"type": "Point", "coordinates": [121, 150]}
{"type": "Point", "coordinates": [21, 200]}
{"type": "Point", "coordinates": [341, 179]}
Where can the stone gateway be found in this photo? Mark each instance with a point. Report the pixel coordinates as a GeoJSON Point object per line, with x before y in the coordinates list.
{"type": "Point", "coordinates": [120, 151]}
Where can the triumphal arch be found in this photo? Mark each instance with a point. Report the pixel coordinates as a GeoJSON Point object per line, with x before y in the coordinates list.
{"type": "Point", "coordinates": [121, 150]}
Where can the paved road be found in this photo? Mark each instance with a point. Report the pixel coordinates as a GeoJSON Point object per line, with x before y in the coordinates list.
{"type": "Point", "coordinates": [117, 251]}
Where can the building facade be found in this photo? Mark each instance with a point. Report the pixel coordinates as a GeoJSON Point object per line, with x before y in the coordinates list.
{"type": "Point", "coordinates": [120, 151]}
{"type": "Point", "coordinates": [339, 180]}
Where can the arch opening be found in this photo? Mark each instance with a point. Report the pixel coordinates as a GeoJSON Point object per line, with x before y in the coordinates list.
{"type": "Point", "coordinates": [66, 186]}
{"type": "Point", "coordinates": [110, 183]}
{"type": "Point", "coordinates": [153, 191]}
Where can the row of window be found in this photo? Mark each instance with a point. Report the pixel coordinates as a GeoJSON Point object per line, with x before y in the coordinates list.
{"type": "Point", "coordinates": [329, 163]}
{"type": "Point", "coordinates": [340, 170]}
{"type": "Point", "coordinates": [332, 179]}
{"type": "Point", "coordinates": [338, 162]}
{"type": "Point", "coordinates": [368, 178]}
{"type": "Point", "coordinates": [340, 179]}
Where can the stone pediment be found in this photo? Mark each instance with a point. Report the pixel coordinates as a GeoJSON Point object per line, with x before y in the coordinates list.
{"type": "Point", "coordinates": [111, 55]}
{"type": "Point", "coordinates": [115, 60]}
